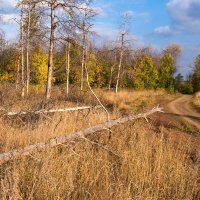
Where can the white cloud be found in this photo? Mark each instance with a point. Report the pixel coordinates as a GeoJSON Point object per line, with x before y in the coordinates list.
{"type": "Point", "coordinates": [9, 18]}
{"type": "Point", "coordinates": [131, 13]}
{"type": "Point", "coordinates": [106, 31]}
{"type": "Point", "coordinates": [8, 3]}
{"type": "Point", "coordinates": [185, 16]}
{"type": "Point", "coordinates": [94, 9]}
{"type": "Point", "coordinates": [164, 30]}
{"type": "Point", "coordinates": [128, 13]}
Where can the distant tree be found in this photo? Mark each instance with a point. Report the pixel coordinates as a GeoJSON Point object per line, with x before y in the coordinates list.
{"type": "Point", "coordinates": [166, 71]}
{"type": "Point", "coordinates": [52, 4]}
{"type": "Point", "coordinates": [189, 86]}
{"type": "Point", "coordinates": [174, 50]}
{"type": "Point", "coordinates": [125, 20]}
{"type": "Point", "coordinates": [8, 62]}
{"type": "Point", "coordinates": [22, 48]}
{"type": "Point", "coordinates": [113, 64]}
{"type": "Point", "coordinates": [183, 86]}
{"type": "Point", "coordinates": [95, 71]}
{"type": "Point", "coordinates": [178, 81]}
{"type": "Point", "coordinates": [2, 40]}
{"type": "Point", "coordinates": [145, 74]}
{"type": "Point", "coordinates": [196, 74]}
{"type": "Point", "coordinates": [40, 67]}
{"type": "Point", "coordinates": [107, 58]}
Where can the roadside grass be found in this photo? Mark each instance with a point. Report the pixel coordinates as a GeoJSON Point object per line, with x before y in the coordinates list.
{"type": "Point", "coordinates": [150, 165]}
{"type": "Point", "coordinates": [137, 160]}
{"type": "Point", "coordinates": [196, 101]}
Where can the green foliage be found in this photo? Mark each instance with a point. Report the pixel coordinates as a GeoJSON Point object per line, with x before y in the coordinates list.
{"type": "Point", "coordinates": [8, 63]}
{"type": "Point", "coordinates": [59, 67]}
{"type": "Point", "coordinates": [145, 74]}
{"type": "Point", "coordinates": [75, 65]}
{"type": "Point", "coordinates": [95, 71]}
{"type": "Point", "coordinates": [166, 72]}
{"type": "Point", "coordinates": [178, 81]}
{"type": "Point", "coordinates": [40, 65]}
{"type": "Point", "coordinates": [186, 87]}
{"type": "Point", "coordinates": [196, 75]}
{"type": "Point", "coordinates": [142, 70]}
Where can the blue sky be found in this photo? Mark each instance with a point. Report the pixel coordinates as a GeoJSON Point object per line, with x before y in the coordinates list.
{"type": "Point", "coordinates": [154, 22]}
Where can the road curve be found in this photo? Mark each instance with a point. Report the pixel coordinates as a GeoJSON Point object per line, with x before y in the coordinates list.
{"type": "Point", "coordinates": [181, 108]}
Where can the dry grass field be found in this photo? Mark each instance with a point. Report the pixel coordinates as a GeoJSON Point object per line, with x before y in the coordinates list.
{"type": "Point", "coordinates": [137, 160]}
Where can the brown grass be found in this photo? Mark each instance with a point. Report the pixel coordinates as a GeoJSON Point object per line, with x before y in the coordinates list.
{"type": "Point", "coordinates": [151, 166]}
{"type": "Point", "coordinates": [196, 100]}
{"type": "Point", "coordinates": [151, 163]}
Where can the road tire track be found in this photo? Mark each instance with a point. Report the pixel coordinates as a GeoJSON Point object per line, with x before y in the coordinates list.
{"type": "Point", "coordinates": [181, 108]}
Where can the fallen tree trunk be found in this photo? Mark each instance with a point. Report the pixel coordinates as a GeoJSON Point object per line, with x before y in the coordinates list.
{"type": "Point", "coordinates": [68, 138]}
{"type": "Point", "coordinates": [51, 111]}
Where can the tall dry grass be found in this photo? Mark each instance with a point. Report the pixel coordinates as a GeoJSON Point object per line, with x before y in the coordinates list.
{"type": "Point", "coordinates": [136, 161]}
{"type": "Point", "coordinates": [130, 100]}
{"type": "Point", "coordinates": [20, 131]}
{"type": "Point", "coordinates": [151, 165]}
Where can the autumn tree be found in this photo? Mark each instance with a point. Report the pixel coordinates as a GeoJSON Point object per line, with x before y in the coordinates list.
{"type": "Point", "coordinates": [145, 75]}
{"type": "Point", "coordinates": [166, 71]}
{"type": "Point", "coordinates": [178, 81]}
{"type": "Point", "coordinates": [40, 67]}
{"type": "Point", "coordinates": [69, 25]}
{"type": "Point", "coordinates": [174, 50]}
{"type": "Point", "coordinates": [22, 48]}
{"type": "Point", "coordinates": [8, 62]}
{"type": "Point", "coordinates": [125, 21]}
{"type": "Point", "coordinates": [2, 40]}
{"type": "Point", "coordinates": [196, 74]}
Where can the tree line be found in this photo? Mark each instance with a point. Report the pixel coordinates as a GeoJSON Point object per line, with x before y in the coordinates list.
{"type": "Point", "coordinates": [55, 47]}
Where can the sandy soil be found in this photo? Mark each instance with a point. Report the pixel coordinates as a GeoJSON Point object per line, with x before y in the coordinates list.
{"type": "Point", "coordinates": [181, 108]}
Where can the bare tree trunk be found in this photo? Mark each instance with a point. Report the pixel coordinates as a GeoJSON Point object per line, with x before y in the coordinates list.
{"type": "Point", "coordinates": [68, 60]}
{"type": "Point", "coordinates": [28, 48]}
{"type": "Point", "coordinates": [111, 70]}
{"type": "Point", "coordinates": [120, 61]}
{"type": "Point", "coordinates": [84, 51]}
{"type": "Point", "coordinates": [17, 77]}
{"type": "Point", "coordinates": [67, 65]}
{"type": "Point", "coordinates": [84, 64]}
{"type": "Point", "coordinates": [22, 47]}
{"type": "Point", "coordinates": [51, 49]}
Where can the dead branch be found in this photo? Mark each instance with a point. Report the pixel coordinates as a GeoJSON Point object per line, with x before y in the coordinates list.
{"type": "Point", "coordinates": [101, 146]}
{"type": "Point", "coordinates": [52, 110]}
{"type": "Point", "coordinates": [69, 138]}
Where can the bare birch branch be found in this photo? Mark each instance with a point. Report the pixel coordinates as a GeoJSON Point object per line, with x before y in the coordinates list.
{"type": "Point", "coordinates": [71, 137]}
{"type": "Point", "coordinates": [52, 110]}
{"type": "Point", "coordinates": [101, 146]}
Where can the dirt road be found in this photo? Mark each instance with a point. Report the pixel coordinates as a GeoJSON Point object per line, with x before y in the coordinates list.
{"type": "Point", "coordinates": [181, 108]}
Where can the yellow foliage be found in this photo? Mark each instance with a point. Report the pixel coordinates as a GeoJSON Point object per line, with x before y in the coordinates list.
{"type": "Point", "coordinates": [6, 76]}
{"type": "Point", "coordinates": [40, 64]}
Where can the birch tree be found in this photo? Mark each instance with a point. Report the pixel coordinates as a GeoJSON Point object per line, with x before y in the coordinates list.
{"type": "Point", "coordinates": [22, 48]}
{"type": "Point", "coordinates": [84, 43]}
{"type": "Point", "coordinates": [51, 50]}
{"type": "Point", "coordinates": [120, 60]}
{"type": "Point", "coordinates": [68, 45]}
{"type": "Point", "coordinates": [126, 18]}
{"type": "Point", "coordinates": [71, 17]}
{"type": "Point", "coordinates": [112, 66]}
{"type": "Point", "coordinates": [28, 46]}
{"type": "Point", "coordinates": [63, 5]}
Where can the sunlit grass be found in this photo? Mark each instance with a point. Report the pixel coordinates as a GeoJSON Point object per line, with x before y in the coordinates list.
{"type": "Point", "coordinates": [144, 161]}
